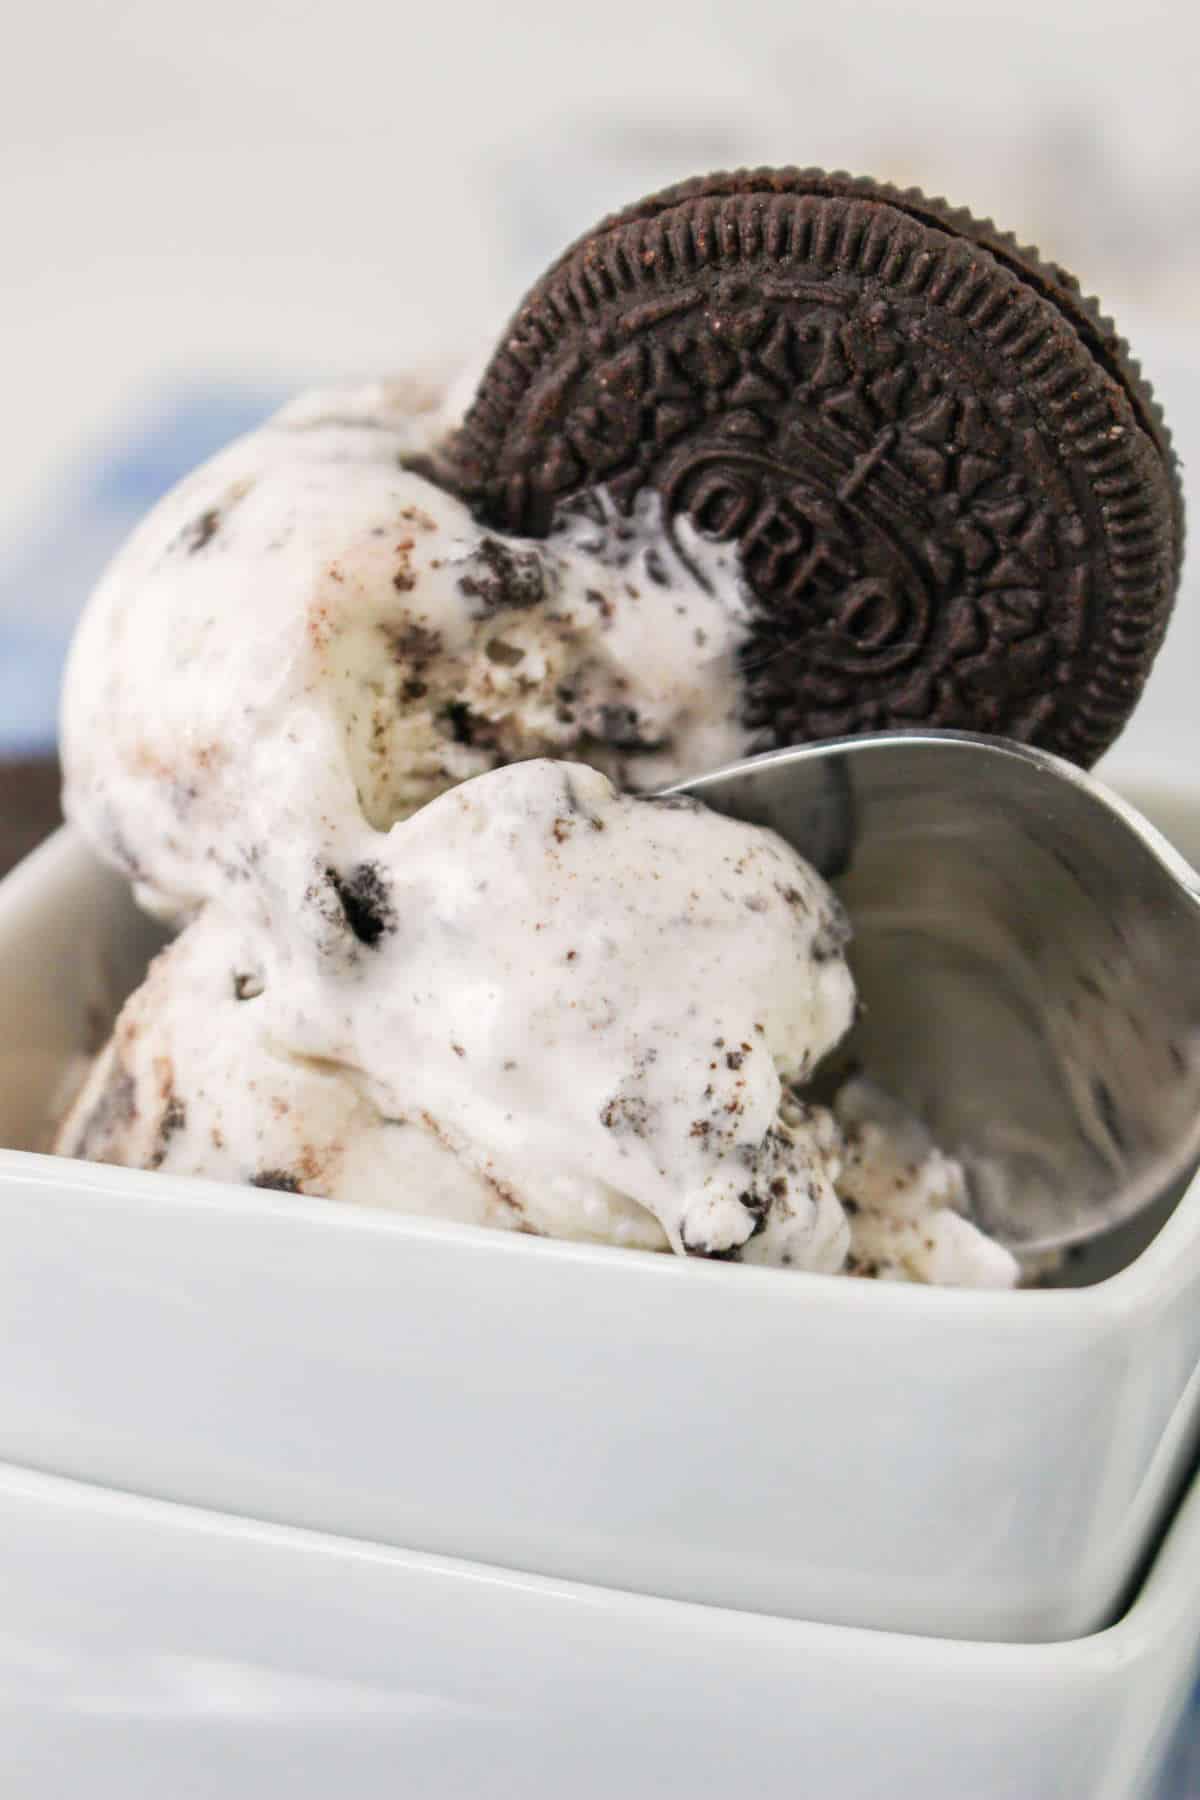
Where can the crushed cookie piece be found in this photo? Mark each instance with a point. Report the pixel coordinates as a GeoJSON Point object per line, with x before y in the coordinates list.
{"type": "Point", "coordinates": [365, 901]}
{"type": "Point", "coordinates": [503, 579]}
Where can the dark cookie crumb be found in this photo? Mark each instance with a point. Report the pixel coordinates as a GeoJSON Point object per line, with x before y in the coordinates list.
{"type": "Point", "coordinates": [757, 1206]}
{"type": "Point", "coordinates": [503, 579]}
{"type": "Point", "coordinates": [655, 567]}
{"type": "Point", "coordinates": [247, 987]}
{"type": "Point", "coordinates": [793, 898]}
{"type": "Point", "coordinates": [412, 643]}
{"type": "Point", "coordinates": [365, 901]}
{"type": "Point", "coordinates": [174, 1118]}
{"type": "Point", "coordinates": [626, 1113]}
{"type": "Point", "coordinates": [706, 1251]}
{"type": "Point", "coordinates": [620, 728]}
{"type": "Point", "coordinates": [201, 532]}
{"type": "Point", "coordinates": [468, 727]}
{"type": "Point", "coordinates": [833, 936]}
{"type": "Point", "coordinates": [277, 1179]}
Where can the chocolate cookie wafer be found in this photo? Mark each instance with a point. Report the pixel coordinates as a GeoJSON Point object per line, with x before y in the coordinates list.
{"type": "Point", "coordinates": [952, 492]}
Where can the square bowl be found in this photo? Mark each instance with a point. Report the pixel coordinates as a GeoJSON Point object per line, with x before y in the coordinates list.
{"type": "Point", "coordinates": [963, 1464]}
{"type": "Point", "coordinates": [153, 1649]}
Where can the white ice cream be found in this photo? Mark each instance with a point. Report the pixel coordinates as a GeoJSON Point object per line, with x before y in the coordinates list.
{"type": "Point", "coordinates": [307, 634]}
{"type": "Point", "coordinates": [906, 1200]}
{"type": "Point", "coordinates": [310, 710]}
{"type": "Point", "coordinates": [591, 1001]}
{"type": "Point", "coordinates": [537, 1003]}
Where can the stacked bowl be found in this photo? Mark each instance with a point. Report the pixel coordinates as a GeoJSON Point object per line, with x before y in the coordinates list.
{"type": "Point", "coordinates": [289, 1485]}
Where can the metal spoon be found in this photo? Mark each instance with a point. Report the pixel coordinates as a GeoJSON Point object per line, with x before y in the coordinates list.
{"type": "Point", "coordinates": [1027, 950]}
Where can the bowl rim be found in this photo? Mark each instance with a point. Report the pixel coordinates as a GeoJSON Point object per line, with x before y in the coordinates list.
{"type": "Point", "coordinates": [1142, 1287]}
{"type": "Point", "coordinates": [1165, 1605]}
{"type": "Point", "coordinates": [1123, 1297]}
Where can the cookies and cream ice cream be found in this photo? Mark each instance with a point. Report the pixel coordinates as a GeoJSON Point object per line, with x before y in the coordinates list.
{"type": "Point", "coordinates": [435, 955]}
{"type": "Point", "coordinates": [308, 635]}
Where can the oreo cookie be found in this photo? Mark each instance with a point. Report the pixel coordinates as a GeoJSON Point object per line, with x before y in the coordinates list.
{"type": "Point", "coordinates": [953, 494]}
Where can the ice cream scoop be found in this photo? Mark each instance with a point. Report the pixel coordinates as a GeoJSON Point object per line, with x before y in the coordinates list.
{"type": "Point", "coordinates": [307, 635]}
{"type": "Point", "coordinates": [1027, 950]}
{"type": "Point", "coordinates": [543, 1004]}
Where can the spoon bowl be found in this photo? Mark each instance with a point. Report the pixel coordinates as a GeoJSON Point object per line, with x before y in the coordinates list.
{"type": "Point", "coordinates": [1027, 953]}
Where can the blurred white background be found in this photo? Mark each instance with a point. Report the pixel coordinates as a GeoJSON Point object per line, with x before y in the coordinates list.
{"type": "Point", "coordinates": [268, 192]}
{"type": "Point", "coordinates": [292, 189]}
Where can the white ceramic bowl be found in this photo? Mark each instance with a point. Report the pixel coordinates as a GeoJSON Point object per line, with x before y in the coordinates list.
{"type": "Point", "coordinates": [972, 1465]}
{"type": "Point", "coordinates": [150, 1650]}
